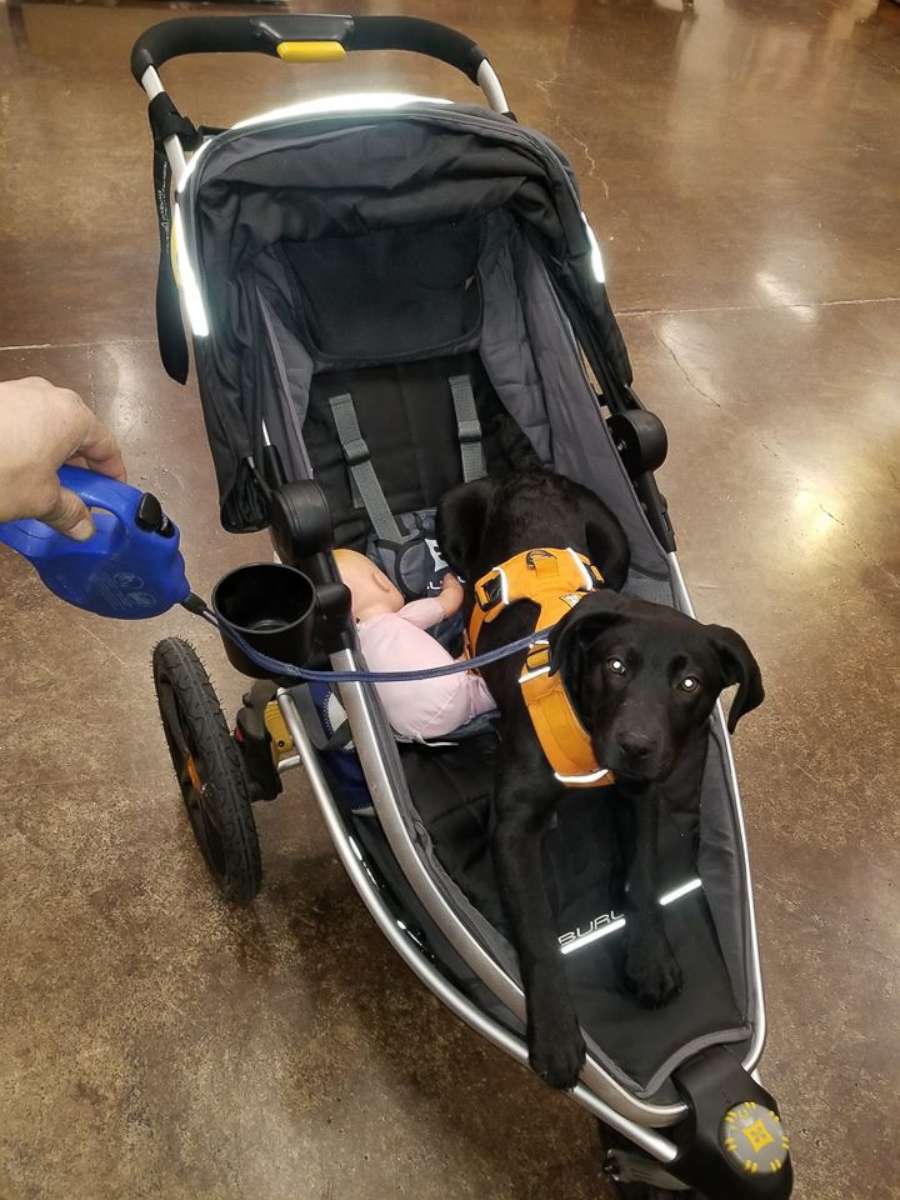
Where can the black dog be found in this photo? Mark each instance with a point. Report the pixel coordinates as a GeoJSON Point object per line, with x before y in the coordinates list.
{"type": "Point", "coordinates": [644, 679]}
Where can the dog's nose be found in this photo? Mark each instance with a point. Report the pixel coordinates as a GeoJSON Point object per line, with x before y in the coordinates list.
{"type": "Point", "coordinates": [635, 746]}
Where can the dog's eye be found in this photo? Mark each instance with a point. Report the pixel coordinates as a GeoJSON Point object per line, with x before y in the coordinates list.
{"type": "Point", "coordinates": [690, 683]}
{"type": "Point", "coordinates": [616, 666]}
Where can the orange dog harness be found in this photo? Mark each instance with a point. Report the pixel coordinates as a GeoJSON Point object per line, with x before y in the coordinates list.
{"type": "Point", "coordinates": [556, 580]}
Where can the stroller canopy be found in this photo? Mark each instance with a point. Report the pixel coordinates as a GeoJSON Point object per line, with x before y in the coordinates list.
{"type": "Point", "coordinates": [290, 218]}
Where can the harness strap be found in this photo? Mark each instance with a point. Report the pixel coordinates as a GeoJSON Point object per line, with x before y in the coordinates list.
{"type": "Point", "coordinates": [468, 428]}
{"type": "Point", "coordinates": [362, 473]}
{"type": "Point", "coordinates": [556, 580]}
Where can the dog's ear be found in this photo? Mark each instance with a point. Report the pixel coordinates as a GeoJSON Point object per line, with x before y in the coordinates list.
{"type": "Point", "coordinates": [740, 667]}
{"type": "Point", "coordinates": [460, 523]}
{"type": "Point", "coordinates": [579, 628]}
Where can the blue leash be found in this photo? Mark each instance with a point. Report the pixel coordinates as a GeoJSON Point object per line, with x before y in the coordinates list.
{"type": "Point", "coordinates": [276, 667]}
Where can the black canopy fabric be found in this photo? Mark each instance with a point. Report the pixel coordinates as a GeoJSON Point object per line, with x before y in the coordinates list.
{"type": "Point", "coordinates": [330, 178]}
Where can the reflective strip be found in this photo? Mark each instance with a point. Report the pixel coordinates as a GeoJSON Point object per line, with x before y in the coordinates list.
{"type": "Point", "coordinates": [596, 257]}
{"type": "Point", "coordinates": [580, 564]}
{"type": "Point", "coordinates": [594, 936]}
{"type": "Point", "coordinates": [504, 586]}
{"type": "Point", "coordinates": [592, 777]}
{"type": "Point", "coordinates": [187, 280]}
{"type": "Point", "coordinates": [684, 890]}
{"type": "Point", "coordinates": [612, 926]}
{"type": "Point", "coordinates": [526, 676]}
{"type": "Point", "coordinates": [345, 102]}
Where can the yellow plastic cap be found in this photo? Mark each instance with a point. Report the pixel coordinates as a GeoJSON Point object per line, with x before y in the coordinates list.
{"type": "Point", "coordinates": [310, 51]}
{"type": "Point", "coordinates": [753, 1139]}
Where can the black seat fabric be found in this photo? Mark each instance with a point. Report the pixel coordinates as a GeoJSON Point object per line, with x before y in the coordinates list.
{"type": "Point", "coordinates": [405, 412]}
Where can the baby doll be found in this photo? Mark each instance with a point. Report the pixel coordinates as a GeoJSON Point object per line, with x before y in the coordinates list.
{"type": "Point", "coordinates": [393, 638]}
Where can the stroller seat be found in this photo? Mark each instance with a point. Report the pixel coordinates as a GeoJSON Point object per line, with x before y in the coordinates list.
{"type": "Point", "coordinates": [392, 366]}
{"type": "Point", "coordinates": [356, 344]}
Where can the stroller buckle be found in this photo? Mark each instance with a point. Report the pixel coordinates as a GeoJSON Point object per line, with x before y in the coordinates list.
{"type": "Point", "coordinates": [355, 452]}
{"type": "Point", "coordinates": [469, 432]}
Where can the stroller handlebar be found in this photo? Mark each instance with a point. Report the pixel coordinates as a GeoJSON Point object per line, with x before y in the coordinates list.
{"type": "Point", "coordinates": [303, 37]}
{"type": "Point", "coordinates": [423, 37]}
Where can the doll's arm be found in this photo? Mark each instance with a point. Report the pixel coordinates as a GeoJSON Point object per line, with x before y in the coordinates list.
{"type": "Point", "coordinates": [423, 613]}
{"type": "Point", "coordinates": [431, 610]}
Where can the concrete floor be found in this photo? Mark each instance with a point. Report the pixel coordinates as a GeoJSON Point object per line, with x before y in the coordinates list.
{"type": "Point", "coordinates": [739, 161]}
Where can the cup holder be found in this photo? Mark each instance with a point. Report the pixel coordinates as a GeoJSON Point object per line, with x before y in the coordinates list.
{"type": "Point", "coordinates": [272, 606]}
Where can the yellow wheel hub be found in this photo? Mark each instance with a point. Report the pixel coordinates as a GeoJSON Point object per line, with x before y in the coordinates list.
{"type": "Point", "coordinates": [753, 1139]}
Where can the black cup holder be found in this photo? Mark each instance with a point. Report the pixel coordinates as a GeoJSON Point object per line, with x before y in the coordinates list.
{"type": "Point", "coordinates": [272, 606]}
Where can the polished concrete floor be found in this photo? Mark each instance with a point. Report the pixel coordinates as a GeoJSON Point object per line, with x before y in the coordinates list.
{"type": "Point", "coordinates": [739, 159]}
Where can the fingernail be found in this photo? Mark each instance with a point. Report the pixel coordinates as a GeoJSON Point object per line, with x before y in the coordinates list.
{"type": "Point", "coordinates": [82, 531]}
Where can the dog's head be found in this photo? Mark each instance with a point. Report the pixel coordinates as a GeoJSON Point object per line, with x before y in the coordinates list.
{"type": "Point", "coordinates": [460, 523]}
{"type": "Point", "coordinates": [646, 678]}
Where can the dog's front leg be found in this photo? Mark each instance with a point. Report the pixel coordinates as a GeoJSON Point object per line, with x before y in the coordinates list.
{"type": "Point", "coordinates": [525, 799]}
{"type": "Point", "coordinates": [651, 970]}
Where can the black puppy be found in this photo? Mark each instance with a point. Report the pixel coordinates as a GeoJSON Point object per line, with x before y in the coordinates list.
{"type": "Point", "coordinates": [644, 679]}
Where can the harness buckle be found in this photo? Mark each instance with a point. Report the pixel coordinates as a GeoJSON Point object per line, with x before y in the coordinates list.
{"type": "Point", "coordinates": [489, 592]}
{"type": "Point", "coordinates": [468, 432]}
{"type": "Point", "coordinates": [538, 657]}
{"type": "Point", "coordinates": [355, 452]}
{"type": "Point", "coordinates": [534, 557]}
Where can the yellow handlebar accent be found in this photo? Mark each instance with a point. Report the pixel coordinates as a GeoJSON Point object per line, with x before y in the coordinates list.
{"type": "Point", "coordinates": [310, 51]}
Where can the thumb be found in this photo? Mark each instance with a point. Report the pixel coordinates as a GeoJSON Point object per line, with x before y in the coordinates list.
{"type": "Point", "coordinates": [70, 516]}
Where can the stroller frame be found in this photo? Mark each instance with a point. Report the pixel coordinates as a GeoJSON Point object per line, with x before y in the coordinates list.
{"type": "Point", "coordinates": [642, 1122]}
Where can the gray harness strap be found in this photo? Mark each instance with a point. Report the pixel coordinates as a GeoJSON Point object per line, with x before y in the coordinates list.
{"type": "Point", "coordinates": [359, 463]}
{"type": "Point", "coordinates": [468, 428]}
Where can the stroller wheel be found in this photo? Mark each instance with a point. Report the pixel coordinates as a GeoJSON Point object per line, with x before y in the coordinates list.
{"type": "Point", "coordinates": [208, 766]}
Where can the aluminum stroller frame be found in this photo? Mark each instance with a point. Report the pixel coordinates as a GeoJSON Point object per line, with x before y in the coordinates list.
{"type": "Point", "coordinates": [671, 1144]}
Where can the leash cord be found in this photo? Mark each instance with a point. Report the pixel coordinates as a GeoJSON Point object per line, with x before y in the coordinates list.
{"type": "Point", "coordinates": [277, 667]}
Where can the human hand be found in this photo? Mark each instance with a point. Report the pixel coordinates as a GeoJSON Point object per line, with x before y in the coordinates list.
{"type": "Point", "coordinates": [41, 428]}
{"type": "Point", "coordinates": [451, 596]}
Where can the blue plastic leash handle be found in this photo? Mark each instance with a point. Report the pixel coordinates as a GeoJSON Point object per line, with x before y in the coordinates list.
{"type": "Point", "coordinates": [130, 569]}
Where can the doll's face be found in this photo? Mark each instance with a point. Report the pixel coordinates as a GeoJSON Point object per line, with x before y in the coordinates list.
{"type": "Point", "coordinates": [384, 590]}
{"type": "Point", "coordinates": [370, 588]}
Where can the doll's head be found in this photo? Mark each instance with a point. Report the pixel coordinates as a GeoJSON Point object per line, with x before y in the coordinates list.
{"type": "Point", "coordinates": [371, 591]}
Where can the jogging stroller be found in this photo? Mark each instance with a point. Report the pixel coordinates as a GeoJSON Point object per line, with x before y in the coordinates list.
{"type": "Point", "coordinates": [387, 295]}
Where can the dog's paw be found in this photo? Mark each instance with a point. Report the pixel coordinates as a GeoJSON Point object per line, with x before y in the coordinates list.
{"type": "Point", "coordinates": [556, 1049]}
{"type": "Point", "coordinates": [558, 1056]}
{"type": "Point", "coordinates": [652, 973]}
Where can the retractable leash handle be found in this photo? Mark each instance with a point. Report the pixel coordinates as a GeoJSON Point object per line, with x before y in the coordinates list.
{"type": "Point", "coordinates": [131, 568]}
